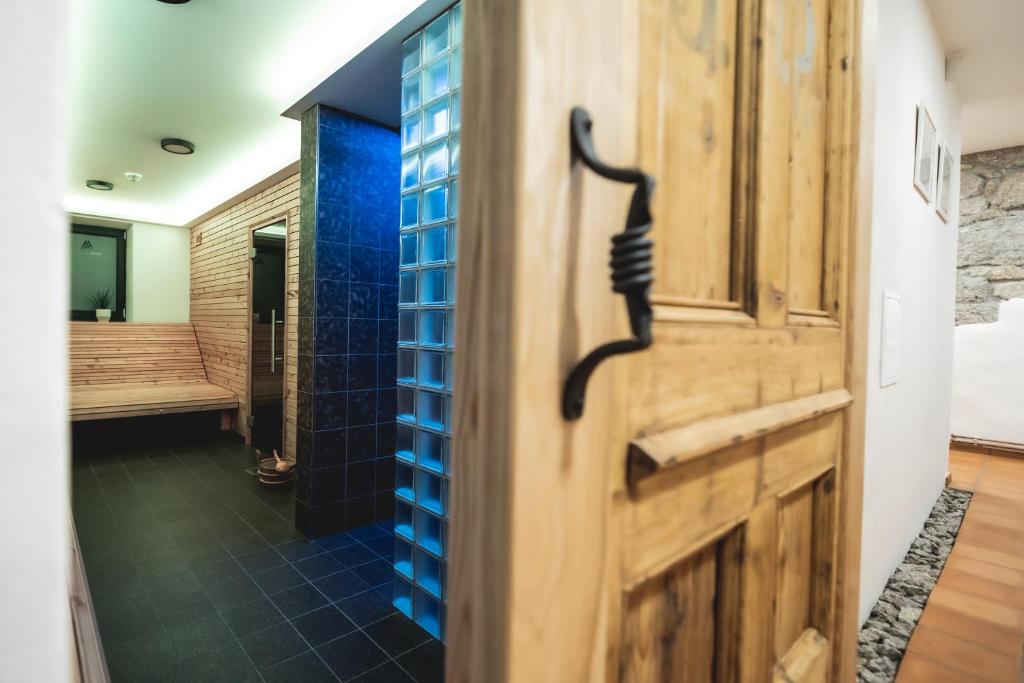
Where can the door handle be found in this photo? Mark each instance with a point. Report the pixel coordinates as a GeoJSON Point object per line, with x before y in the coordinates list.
{"type": "Point", "coordinates": [273, 341]}
{"type": "Point", "coordinates": [631, 263]}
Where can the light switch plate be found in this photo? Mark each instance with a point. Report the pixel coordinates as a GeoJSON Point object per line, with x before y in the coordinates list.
{"type": "Point", "coordinates": [892, 332]}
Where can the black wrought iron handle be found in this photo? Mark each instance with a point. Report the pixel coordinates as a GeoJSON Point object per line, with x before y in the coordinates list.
{"type": "Point", "coordinates": [631, 263]}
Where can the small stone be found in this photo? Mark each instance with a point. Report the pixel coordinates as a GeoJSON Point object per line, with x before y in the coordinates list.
{"type": "Point", "coordinates": [911, 615]}
{"type": "Point", "coordinates": [971, 206]}
{"type": "Point", "coordinates": [1008, 290]}
{"type": "Point", "coordinates": [1001, 273]}
{"type": "Point", "coordinates": [973, 314]}
{"type": "Point", "coordinates": [972, 289]}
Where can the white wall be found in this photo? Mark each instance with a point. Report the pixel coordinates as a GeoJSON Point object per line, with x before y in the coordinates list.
{"type": "Point", "coordinates": [913, 254]}
{"type": "Point", "coordinates": [988, 376]}
{"type": "Point", "coordinates": [35, 631]}
{"type": "Point", "coordinates": [158, 275]}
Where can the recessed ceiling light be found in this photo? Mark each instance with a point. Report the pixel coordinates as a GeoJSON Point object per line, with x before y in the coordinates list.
{"type": "Point", "coordinates": [99, 185]}
{"type": "Point", "coordinates": [177, 146]}
{"type": "Point", "coordinates": [132, 176]}
{"type": "Point", "coordinates": [174, 2]}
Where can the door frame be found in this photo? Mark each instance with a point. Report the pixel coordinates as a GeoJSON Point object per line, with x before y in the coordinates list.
{"type": "Point", "coordinates": [119, 312]}
{"type": "Point", "coordinates": [490, 364]}
{"type": "Point", "coordinates": [277, 218]}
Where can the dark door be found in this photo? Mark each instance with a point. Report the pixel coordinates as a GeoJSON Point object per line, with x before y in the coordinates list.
{"type": "Point", "coordinates": [266, 403]}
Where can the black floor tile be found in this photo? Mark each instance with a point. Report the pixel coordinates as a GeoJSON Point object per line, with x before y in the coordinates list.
{"type": "Point", "coordinates": [351, 655]}
{"type": "Point", "coordinates": [367, 533]}
{"type": "Point", "coordinates": [219, 573]}
{"type": "Point", "coordinates": [323, 625]}
{"type": "Point", "coordinates": [425, 663]}
{"type": "Point", "coordinates": [148, 658]}
{"type": "Point", "coordinates": [299, 600]}
{"type": "Point", "coordinates": [293, 551]}
{"type": "Point", "coordinates": [336, 541]}
{"type": "Point", "coordinates": [375, 573]}
{"type": "Point", "coordinates": [252, 616]}
{"type": "Point", "coordinates": [241, 545]}
{"type": "Point", "coordinates": [183, 607]}
{"type": "Point", "coordinates": [388, 672]}
{"type": "Point", "coordinates": [278, 579]}
{"type": "Point", "coordinates": [342, 585]}
{"type": "Point", "coordinates": [306, 668]}
{"type": "Point", "coordinates": [234, 593]}
{"type": "Point", "coordinates": [366, 607]}
{"type": "Point", "coordinates": [396, 634]}
{"type": "Point", "coordinates": [354, 555]}
{"type": "Point", "coordinates": [318, 566]}
{"type": "Point", "coordinates": [273, 645]}
{"type": "Point", "coordinates": [260, 560]}
{"type": "Point", "coordinates": [383, 546]}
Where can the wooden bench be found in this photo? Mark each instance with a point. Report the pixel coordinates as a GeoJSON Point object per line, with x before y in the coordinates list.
{"type": "Point", "coordinates": [129, 369]}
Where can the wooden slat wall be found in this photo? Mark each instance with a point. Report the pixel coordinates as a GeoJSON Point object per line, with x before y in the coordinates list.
{"type": "Point", "coordinates": [220, 289]}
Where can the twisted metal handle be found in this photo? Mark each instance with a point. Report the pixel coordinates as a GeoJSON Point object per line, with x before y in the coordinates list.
{"type": "Point", "coordinates": [631, 263]}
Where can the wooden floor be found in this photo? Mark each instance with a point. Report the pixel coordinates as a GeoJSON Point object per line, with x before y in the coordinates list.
{"type": "Point", "coordinates": [972, 628]}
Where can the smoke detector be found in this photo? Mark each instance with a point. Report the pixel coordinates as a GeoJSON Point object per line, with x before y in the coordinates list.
{"type": "Point", "coordinates": [133, 177]}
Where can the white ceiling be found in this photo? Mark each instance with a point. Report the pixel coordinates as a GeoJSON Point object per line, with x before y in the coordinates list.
{"type": "Point", "coordinates": [216, 72]}
{"type": "Point", "coordinates": [983, 40]}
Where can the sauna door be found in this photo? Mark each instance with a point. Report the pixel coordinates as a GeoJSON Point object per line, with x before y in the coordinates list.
{"type": "Point", "coordinates": [266, 341]}
{"type": "Point", "coordinates": [693, 523]}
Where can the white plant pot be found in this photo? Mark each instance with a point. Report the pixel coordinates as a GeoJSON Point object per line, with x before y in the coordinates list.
{"type": "Point", "coordinates": [103, 315]}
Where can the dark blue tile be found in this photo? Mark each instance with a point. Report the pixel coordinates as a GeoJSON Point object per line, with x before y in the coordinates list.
{"type": "Point", "coordinates": [362, 337]}
{"type": "Point", "coordinates": [336, 541]}
{"type": "Point", "coordinates": [318, 566]}
{"type": "Point", "coordinates": [386, 433]}
{"type": "Point", "coordinates": [261, 560]}
{"type": "Point", "coordinates": [387, 260]}
{"type": "Point", "coordinates": [329, 485]}
{"type": "Point", "coordinates": [360, 511]}
{"type": "Point", "coordinates": [366, 607]}
{"type": "Point", "coordinates": [332, 299]}
{"type": "Point", "coordinates": [388, 672]}
{"type": "Point", "coordinates": [384, 473]}
{"type": "Point", "coordinates": [331, 336]}
{"type": "Point", "coordinates": [362, 371]}
{"type": "Point", "coordinates": [354, 555]}
{"type": "Point", "coordinates": [387, 369]}
{"type": "Point", "coordinates": [252, 616]}
{"type": "Point", "coordinates": [341, 585]}
{"type": "Point", "coordinates": [331, 410]}
{"type": "Point", "coordinates": [385, 546]}
{"type": "Point", "coordinates": [278, 579]}
{"type": "Point", "coordinates": [389, 301]}
{"type": "Point", "coordinates": [351, 655]}
{"type": "Point", "coordinates": [375, 573]}
{"type": "Point", "coordinates": [387, 335]}
{"type": "Point", "coordinates": [386, 405]}
{"type": "Point", "coordinates": [304, 480]}
{"type": "Point", "coordinates": [368, 533]}
{"type": "Point", "coordinates": [298, 600]}
{"type": "Point", "coordinates": [362, 443]}
{"type": "Point", "coordinates": [304, 409]}
{"type": "Point", "coordinates": [384, 505]}
{"type": "Point", "coordinates": [332, 222]}
{"type": "Point", "coordinates": [323, 625]}
{"type": "Point", "coordinates": [298, 550]}
{"type": "Point", "coordinates": [363, 301]}
{"type": "Point", "coordinates": [304, 447]}
{"type": "Point", "coordinates": [332, 261]}
{"type": "Point", "coordinates": [329, 447]}
{"type": "Point", "coordinates": [360, 478]}
{"type": "Point", "coordinates": [364, 265]}
{"type": "Point", "coordinates": [362, 407]}
{"type": "Point", "coordinates": [331, 374]}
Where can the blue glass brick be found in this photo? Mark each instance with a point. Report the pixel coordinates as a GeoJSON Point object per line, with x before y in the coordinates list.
{"type": "Point", "coordinates": [403, 597]}
{"type": "Point", "coordinates": [407, 327]}
{"type": "Point", "coordinates": [435, 38]}
{"type": "Point", "coordinates": [453, 154]}
{"type": "Point", "coordinates": [404, 520]}
{"type": "Point", "coordinates": [428, 492]}
{"type": "Point", "coordinates": [404, 443]}
{"type": "Point", "coordinates": [403, 558]}
{"type": "Point", "coordinates": [411, 53]}
{"type": "Point", "coordinates": [406, 365]}
{"type": "Point", "coordinates": [435, 243]}
{"type": "Point", "coordinates": [435, 163]}
{"type": "Point", "coordinates": [435, 120]}
{"type": "Point", "coordinates": [405, 486]}
{"type": "Point", "coordinates": [456, 69]}
{"type": "Point", "coordinates": [431, 328]}
{"type": "Point", "coordinates": [428, 613]}
{"type": "Point", "coordinates": [456, 111]}
{"type": "Point", "coordinates": [456, 14]}
{"type": "Point", "coordinates": [410, 210]}
{"type": "Point", "coordinates": [408, 249]}
{"type": "Point", "coordinates": [430, 369]}
{"type": "Point", "coordinates": [410, 171]}
{"type": "Point", "coordinates": [434, 79]}
{"type": "Point", "coordinates": [430, 451]}
{"type": "Point", "coordinates": [429, 409]}
{"type": "Point", "coordinates": [428, 535]}
{"type": "Point", "coordinates": [410, 132]}
{"type": "Point", "coordinates": [431, 286]}
{"type": "Point", "coordinates": [411, 92]}
{"type": "Point", "coordinates": [407, 288]}
{"type": "Point", "coordinates": [406, 409]}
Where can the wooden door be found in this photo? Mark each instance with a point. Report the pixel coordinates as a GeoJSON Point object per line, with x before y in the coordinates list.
{"type": "Point", "coordinates": [700, 522]}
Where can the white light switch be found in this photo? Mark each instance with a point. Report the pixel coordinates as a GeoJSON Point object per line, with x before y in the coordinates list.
{"type": "Point", "coordinates": [891, 333]}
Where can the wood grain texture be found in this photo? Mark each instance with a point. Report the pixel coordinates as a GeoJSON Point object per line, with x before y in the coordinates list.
{"type": "Point", "coordinates": [219, 283]}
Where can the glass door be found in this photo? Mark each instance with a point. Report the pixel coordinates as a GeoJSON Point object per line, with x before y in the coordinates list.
{"type": "Point", "coordinates": [266, 405]}
{"type": "Point", "coordinates": [97, 272]}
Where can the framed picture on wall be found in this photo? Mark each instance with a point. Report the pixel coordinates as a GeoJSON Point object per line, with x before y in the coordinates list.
{"type": "Point", "coordinates": [925, 153]}
{"type": "Point", "coordinates": [945, 183]}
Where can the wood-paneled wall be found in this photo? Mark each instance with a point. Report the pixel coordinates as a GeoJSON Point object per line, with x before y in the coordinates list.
{"type": "Point", "coordinates": [219, 289]}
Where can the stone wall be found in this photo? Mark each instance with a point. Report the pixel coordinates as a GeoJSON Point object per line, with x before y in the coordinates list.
{"type": "Point", "coordinates": [990, 249]}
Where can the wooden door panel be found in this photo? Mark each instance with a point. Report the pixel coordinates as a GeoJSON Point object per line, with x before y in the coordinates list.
{"type": "Point", "coordinates": [687, 110]}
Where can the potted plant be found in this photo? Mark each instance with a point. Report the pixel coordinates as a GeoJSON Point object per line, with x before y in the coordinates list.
{"type": "Point", "coordinates": [100, 300]}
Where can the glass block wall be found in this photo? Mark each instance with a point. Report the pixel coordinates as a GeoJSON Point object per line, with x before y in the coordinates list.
{"type": "Point", "coordinates": [431, 96]}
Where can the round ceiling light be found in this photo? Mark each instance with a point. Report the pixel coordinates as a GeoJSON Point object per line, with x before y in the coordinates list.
{"type": "Point", "coordinates": [177, 146]}
{"type": "Point", "coordinates": [99, 185]}
{"type": "Point", "coordinates": [174, 2]}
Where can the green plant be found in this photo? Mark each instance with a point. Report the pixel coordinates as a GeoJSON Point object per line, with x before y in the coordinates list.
{"type": "Point", "coordinates": [101, 299]}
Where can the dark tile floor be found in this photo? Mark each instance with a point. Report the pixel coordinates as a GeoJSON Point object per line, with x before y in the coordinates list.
{"type": "Point", "coordinates": [197, 574]}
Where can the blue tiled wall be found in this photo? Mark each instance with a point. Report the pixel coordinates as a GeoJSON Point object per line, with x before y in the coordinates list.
{"type": "Point", "coordinates": [431, 104]}
{"type": "Point", "coordinates": [348, 322]}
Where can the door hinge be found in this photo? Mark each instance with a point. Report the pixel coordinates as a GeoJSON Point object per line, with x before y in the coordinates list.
{"type": "Point", "coordinates": [252, 252]}
{"type": "Point", "coordinates": [250, 421]}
